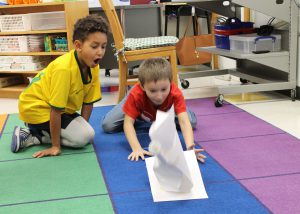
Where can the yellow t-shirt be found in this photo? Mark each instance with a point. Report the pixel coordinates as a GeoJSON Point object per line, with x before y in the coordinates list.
{"type": "Point", "coordinates": [60, 85]}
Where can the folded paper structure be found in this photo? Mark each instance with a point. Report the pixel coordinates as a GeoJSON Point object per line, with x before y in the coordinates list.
{"type": "Point", "coordinates": [170, 166]}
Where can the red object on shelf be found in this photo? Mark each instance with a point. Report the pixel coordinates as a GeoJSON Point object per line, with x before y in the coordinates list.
{"type": "Point", "coordinates": [132, 2]}
{"type": "Point", "coordinates": [229, 32]}
{"type": "Point", "coordinates": [248, 30]}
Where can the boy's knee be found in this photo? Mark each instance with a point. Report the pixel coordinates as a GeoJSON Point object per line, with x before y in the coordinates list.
{"type": "Point", "coordinates": [78, 138]}
{"type": "Point", "coordinates": [193, 119]}
{"type": "Point", "coordinates": [194, 124]}
{"type": "Point", "coordinates": [84, 138]}
{"type": "Point", "coordinates": [107, 127]}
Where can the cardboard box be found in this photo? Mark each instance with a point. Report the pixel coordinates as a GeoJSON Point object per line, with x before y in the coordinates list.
{"type": "Point", "coordinates": [10, 80]}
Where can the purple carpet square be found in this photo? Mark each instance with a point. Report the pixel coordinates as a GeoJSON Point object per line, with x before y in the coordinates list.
{"type": "Point", "coordinates": [206, 106]}
{"type": "Point", "coordinates": [281, 194]}
{"type": "Point", "coordinates": [257, 156]}
{"type": "Point", "coordinates": [232, 125]}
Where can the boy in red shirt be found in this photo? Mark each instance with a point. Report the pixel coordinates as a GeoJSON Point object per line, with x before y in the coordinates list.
{"type": "Point", "coordinates": [155, 91]}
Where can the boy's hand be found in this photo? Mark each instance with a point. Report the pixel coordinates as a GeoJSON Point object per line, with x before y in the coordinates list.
{"type": "Point", "coordinates": [53, 151]}
{"type": "Point", "coordinates": [135, 155]}
{"type": "Point", "coordinates": [200, 157]}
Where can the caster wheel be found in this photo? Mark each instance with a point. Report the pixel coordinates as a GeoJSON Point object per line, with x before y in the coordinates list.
{"type": "Point", "coordinates": [185, 84]}
{"type": "Point", "coordinates": [243, 80]}
{"type": "Point", "coordinates": [107, 72]}
{"type": "Point", "coordinates": [219, 101]}
{"type": "Point", "coordinates": [130, 71]}
{"type": "Point", "coordinates": [293, 94]}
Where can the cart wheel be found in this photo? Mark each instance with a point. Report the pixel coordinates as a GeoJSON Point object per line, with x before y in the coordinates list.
{"type": "Point", "coordinates": [243, 80]}
{"type": "Point", "coordinates": [219, 101]}
{"type": "Point", "coordinates": [293, 94]}
{"type": "Point", "coordinates": [130, 71]}
{"type": "Point", "coordinates": [107, 72]}
{"type": "Point", "coordinates": [185, 84]}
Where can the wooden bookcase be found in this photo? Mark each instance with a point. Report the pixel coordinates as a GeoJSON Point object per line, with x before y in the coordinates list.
{"type": "Point", "coordinates": [72, 11]}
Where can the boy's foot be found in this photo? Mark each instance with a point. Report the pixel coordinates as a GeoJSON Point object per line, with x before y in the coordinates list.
{"type": "Point", "coordinates": [22, 138]}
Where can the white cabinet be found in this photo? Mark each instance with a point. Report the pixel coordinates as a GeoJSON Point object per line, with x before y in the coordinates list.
{"type": "Point", "coordinates": [270, 71]}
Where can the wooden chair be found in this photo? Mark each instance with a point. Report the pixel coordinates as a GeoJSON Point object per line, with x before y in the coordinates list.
{"type": "Point", "coordinates": [165, 47]}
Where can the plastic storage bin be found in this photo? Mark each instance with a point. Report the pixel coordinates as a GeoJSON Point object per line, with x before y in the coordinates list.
{"type": "Point", "coordinates": [19, 22]}
{"type": "Point", "coordinates": [222, 41]}
{"type": "Point", "coordinates": [231, 26]}
{"type": "Point", "coordinates": [248, 43]}
{"type": "Point", "coordinates": [48, 20]}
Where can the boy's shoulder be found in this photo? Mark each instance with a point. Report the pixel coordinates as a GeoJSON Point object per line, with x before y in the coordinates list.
{"type": "Point", "coordinates": [175, 90]}
{"type": "Point", "coordinates": [64, 59]}
{"type": "Point", "coordinates": [63, 62]}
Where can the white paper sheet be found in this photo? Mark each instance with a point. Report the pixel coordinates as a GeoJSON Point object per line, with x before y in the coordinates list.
{"type": "Point", "coordinates": [171, 174]}
{"type": "Point", "coordinates": [170, 166]}
{"type": "Point", "coordinates": [197, 192]}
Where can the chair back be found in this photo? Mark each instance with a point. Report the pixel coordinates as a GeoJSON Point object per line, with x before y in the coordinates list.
{"type": "Point", "coordinates": [113, 19]}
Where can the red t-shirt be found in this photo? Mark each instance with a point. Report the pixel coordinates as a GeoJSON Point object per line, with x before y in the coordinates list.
{"type": "Point", "coordinates": [138, 105]}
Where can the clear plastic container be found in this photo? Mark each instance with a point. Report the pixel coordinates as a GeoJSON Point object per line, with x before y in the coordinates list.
{"type": "Point", "coordinates": [248, 43]}
{"type": "Point", "coordinates": [11, 23]}
{"type": "Point", "coordinates": [48, 20]}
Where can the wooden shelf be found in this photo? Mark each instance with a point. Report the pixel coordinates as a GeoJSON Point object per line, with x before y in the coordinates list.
{"type": "Point", "coordinates": [20, 72]}
{"type": "Point", "coordinates": [32, 53]}
{"type": "Point", "coordinates": [33, 32]}
{"type": "Point", "coordinates": [73, 10]}
{"type": "Point", "coordinates": [33, 8]}
{"type": "Point", "coordinates": [12, 91]}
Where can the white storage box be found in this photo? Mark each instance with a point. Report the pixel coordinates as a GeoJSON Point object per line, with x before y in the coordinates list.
{"type": "Point", "coordinates": [35, 66]}
{"type": "Point", "coordinates": [14, 23]}
{"type": "Point", "coordinates": [13, 44]}
{"type": "Point", "coordinates": [248, 43]}
{"type": "Point", "coordinates": [48, 20]}
{"type": "Point", "coordinates": [23, 59]}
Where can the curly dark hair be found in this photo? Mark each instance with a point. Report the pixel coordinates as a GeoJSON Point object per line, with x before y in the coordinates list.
{"type": "Point", "coordinates": [89, 24]}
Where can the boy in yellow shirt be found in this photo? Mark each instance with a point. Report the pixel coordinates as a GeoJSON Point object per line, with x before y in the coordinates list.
{"type": "Point", "coordinates": [71, 82]}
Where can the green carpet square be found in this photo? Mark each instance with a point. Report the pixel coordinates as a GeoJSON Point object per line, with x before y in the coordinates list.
{"type": "Point", "coordinates": [6, 154]}
{"type": "Point", "coordinates": [50, 178]}
{"type": "Point", "coordinates": [91, 205]}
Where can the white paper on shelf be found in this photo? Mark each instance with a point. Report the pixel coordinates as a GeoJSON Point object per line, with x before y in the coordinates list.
{"type": "Point", "coordinates": [171, 175]}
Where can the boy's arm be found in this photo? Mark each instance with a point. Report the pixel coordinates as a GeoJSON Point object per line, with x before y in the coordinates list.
{"type": "Point", "coordinates": [137, 150]}
{"type": "Point", "coordinates": [187, 132]}
{"type": "Point", "coordinates": [55, 127]}
{"type": "Point", "coordinates": [86, 111]}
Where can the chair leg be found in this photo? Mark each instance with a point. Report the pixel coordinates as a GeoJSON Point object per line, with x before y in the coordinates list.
{"type": "Point", "coordinates": [122, 79]}
{"type": "Point", "coordinates": [173, 62]}
{"type": "Point", "coordinates": [166, 24]}
{"type": "Point", "coordinates": [195, 25]}
{"type": "Point", "coordinates": [208, 22]}
{"type": "Point", "coordinates": [177, 25]}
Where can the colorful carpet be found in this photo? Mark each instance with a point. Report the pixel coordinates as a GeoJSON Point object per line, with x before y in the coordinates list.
{"type": "Point", "coordinates": [251, 167]}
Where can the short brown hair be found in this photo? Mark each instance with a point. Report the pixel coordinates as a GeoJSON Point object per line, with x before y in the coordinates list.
{"type": "Point", "coordinates": [154, 69]}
